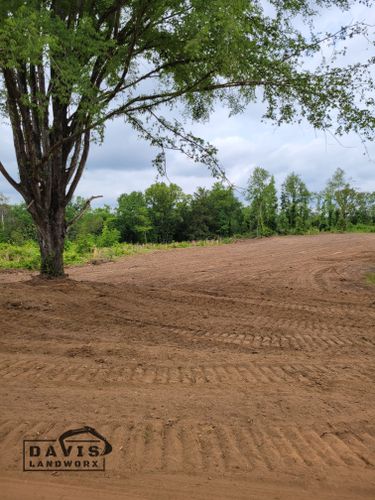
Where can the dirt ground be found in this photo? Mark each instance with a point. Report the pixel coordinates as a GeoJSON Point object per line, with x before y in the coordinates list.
{"type": "Point", "coordinates": [241, 371]}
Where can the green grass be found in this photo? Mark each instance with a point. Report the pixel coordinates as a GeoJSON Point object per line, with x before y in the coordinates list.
{"type": "Point", "coordinates": [356, 228]}
{"type": "Point", "coordinates": [26, 256]}
{"type": "Point", "coordinates": [370, 278]}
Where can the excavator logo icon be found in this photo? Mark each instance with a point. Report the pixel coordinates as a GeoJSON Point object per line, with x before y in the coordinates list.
{"type": "Point", "coordinates": [82, 449]}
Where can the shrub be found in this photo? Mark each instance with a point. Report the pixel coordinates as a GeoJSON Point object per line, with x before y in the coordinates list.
{"type": "Point", "coordinates": [24, 256]}
{"type": "Point", "coordinates": [108, 237]}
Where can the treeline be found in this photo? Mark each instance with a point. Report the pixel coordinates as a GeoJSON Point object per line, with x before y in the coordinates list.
{"type": "Point", "coordinates": [164, 213]}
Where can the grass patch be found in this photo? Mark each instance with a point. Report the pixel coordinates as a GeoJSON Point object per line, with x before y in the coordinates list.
{"type": "Point", "coordinates": [26, 256]}
{"type": "Point", "coordinates": [370, 278]}
{"type": "Point", "coordinates": [361, 228]}
{"type": "Point", "coordinates": [355, 228]}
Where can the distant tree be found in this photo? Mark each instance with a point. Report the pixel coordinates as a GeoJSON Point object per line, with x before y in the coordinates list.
{"type": "Point", "coordinates": [339, 202]}
{"type": "Point", "coordinates": [215, 212]}
{"type": "Point", "coordinates": [262, 195]}
{"type": "Point", "coordinates": [67, 67]}
{"type": "Point", "coordinates": [365, 208]}
{"type": "Point", "coordinates": [329, 213]}
{"type": "Point", "coordinates": [162, 203]}
{"type": "Point", "coordinates": [226, 211]}
{"type": "Point", "coordinates": [294, 211]}
{"type": "Point", "coordinates": [346, 199]}
{"type": "Point", "coordinates": [201, 221]}
{"type": "Point", "coordinates": [184, 219]}
{"type": "Point", "coordinates": [93, 221]}
{"type": "Point", "coordinates": [16, 224]}
{"type": "Point", "coordinates": [93, 227]}
{"type": "Point", "coordinates": [132, 217]}
{"type": "Point", "coordinates": [370, 207]}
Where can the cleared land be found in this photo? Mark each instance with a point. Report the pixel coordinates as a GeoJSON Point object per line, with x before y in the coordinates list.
{"type": "Point", "coordinates": [237, 371]}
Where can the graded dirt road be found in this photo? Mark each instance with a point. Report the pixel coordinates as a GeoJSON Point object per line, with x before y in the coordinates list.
{"type": "Point", "coordinates": [238, 371]}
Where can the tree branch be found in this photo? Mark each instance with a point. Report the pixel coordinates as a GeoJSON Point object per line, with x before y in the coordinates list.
{"type": "Point", "coordinates": [10, 179]}
{"type": "Point", "coordinates": [80, 168]}
{"type": "Point", "coordinates": [85, 207]}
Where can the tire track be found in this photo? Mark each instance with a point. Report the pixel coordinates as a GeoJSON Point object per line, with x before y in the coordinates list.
{"type": "Point", "coordinates": [172, 446]}
{"type": "Point", "coordinates": [261, 304]}
{"type": "Point", "coordinates": [295, 341]}
{"type": "Point", "coordinates": [255, 373]}
{"type": "Point", "coordinates": [196, 447]}
{"type": "Point", "coordinates": [338, 326]}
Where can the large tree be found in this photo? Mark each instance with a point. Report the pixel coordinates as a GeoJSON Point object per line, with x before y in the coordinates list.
{"type": "Point", "coordinates": [68, 66]}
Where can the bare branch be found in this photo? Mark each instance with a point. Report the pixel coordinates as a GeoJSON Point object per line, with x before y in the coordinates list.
{"type": "Point", "coordinates": [85, 207]}
{"type": "Point", "coordinates": [29, 205]}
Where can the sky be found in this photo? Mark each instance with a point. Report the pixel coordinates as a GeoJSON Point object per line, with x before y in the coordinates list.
{"type": "Point", "coordinates": [123, 163]}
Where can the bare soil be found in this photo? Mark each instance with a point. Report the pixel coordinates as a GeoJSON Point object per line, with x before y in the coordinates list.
{"type": "Point", "coordinates": [238, 371]}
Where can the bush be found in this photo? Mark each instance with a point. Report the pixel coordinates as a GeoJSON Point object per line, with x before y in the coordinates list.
{"type": "Point", "coordinates": [108, 237]}
{"type": "Point", "coordinates": [24, 256]}
{"type": "Point", "coordinates": [85, 244]}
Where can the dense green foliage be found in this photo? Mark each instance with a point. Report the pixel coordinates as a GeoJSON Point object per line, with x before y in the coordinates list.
{"type": "Point", "coordinates": [163, 214]}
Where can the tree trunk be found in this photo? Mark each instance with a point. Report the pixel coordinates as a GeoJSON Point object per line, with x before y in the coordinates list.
{"type": "Point", "coordinates": [51, 242]}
